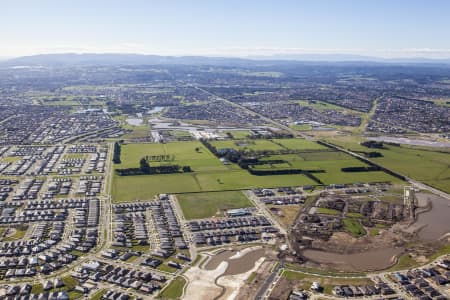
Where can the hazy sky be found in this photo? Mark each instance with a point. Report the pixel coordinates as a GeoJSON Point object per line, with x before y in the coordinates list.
{"type": "Point", "coordinates": [389, 28]}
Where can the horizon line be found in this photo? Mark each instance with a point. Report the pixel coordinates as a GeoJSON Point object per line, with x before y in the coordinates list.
{"type": "Point", "coordinates": [275, 55]}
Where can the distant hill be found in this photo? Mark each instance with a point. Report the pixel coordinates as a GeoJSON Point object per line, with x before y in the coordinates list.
{"type": "Point", "coordinates": [117, 59]}
{"type": "Point", "coordinates": [72, 59]}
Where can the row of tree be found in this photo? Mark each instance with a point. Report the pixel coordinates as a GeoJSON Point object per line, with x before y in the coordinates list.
{"type": "Point", "coordinates": [146, 169]}
{"type": "Point", "coordinates": [116, 153]}
{"type": "Point", "coordinates": [361, 169]}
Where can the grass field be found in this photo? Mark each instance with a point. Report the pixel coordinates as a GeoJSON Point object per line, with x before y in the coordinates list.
{"type": "Point", "coordinates": [174, 290]}
{"type": "Point", "coordinates": [328, 211]}
{"type": "Point", "coordinates": [239, 134]}
{"type": "Point", "coordinates": [426, 165]}
{"type": "Point", "coordinates": [303, 127]}
{"type": "Point", "coordinates": [354, 215]}
{"type": "Point", "coordinates": [275, 144]}
{"type": "Point", "coordinates": [209, 174]}
{"type": "Point", "coordinates": [247, 144]}
{"type": "Point", "coordinates": [319, 105]}
{"type": "Point", "coordinates": [354, 227]}
{"type": "Point", "coordinates": [304, 281]}
{"type": "Point", "coordinates": [62, 103]}
{"type": "Point", "coordinates": [137, 132]}
{"type": "Point", "coordinates": [183, 153]}
{"type": "Point", "coordinates": [131, 188]}
{"type": "Point", "coordinates": [11, 159]}
{"type": "Point", "coordinates": [298, 144]}
{"type": "Point", "coordinates": [206, 205]}
{"type": "Point", "coordinates": [287, 215]}
{"type": "Point", "coordinates": [18, 234]}
{"type": "Point", "coordinates": [98, 295]}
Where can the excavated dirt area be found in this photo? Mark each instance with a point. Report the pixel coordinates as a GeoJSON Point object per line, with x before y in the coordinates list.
{"type": "Point", "coordinates": [371, 260]}
{"type": "Point", "coordinates": [244, 262]}
{"type": "Point", "coordinates": [251, 287]}
{"type": "Point", "coordinates": [201, 283]}
{"type": "Point", "coordinates": [224, 274]}
{"type": "Point", "coordinates": [346, 253]}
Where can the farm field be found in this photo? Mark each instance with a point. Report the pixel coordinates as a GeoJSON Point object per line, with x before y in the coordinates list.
{"type": "Point", "coordinates": [210, 174]}
{"type": "Point", "coordinates": [133, 188]}
{"type": "Point", "coordinates": [239, 134]}
{"type": "Point", "coordinates": [298, 144]}
{"type": "Point", "coordinates": [274, 145]}
{"type": "Point", "coordinates": [247, 144]}
{"type": "Point", "coordinates": [206, 205]}
{"type": "Point", "coordinates": [426, 165]}
{"type": "Point", "coordinates": [182, 153]}
{"type": "Point", "coordinates": [331, 163]}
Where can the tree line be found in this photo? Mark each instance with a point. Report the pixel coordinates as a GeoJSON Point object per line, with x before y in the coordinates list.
{"type": "Point", "coordinates": [146, 169]}
{"type": "Point", "coordinates": [116, 153]}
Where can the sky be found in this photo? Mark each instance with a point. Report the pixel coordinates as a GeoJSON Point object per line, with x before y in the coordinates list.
{"type": "Point", "coordinates": [383, 28]}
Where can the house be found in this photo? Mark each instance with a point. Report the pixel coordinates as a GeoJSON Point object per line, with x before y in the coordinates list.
{"type": "Point", "coordinates": [238, 212]}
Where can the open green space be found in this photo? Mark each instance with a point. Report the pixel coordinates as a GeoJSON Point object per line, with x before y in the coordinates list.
{"type": "Point", "coordinates": [131, 188]}
{"type": "Point", "coordinates": [321, 105]}
{"type": "Point", "coordinates": [239, 134]}
{"type": "Point", "coordinates": [174, 290]}
{"type": "Point", "coordinates": [74, 295]}
{"type": "Point", "coordinates": [328, 211]}
{"type": "Point", "coordinates": [62, 103]}
{"type": "Point", "coordinates": [354, 215]}
{"type": "Point", "coordinates": [302, 127]}
{"type": "Point", "coordinates": [255, 145]}
{"type": "Point", "coordinates": [404, 262]}
{"type": "Point", "coordinates": [427, 165]}
{"type": "Point", "coordinates": [18, 233]}
{"type": "Point", "coordinates": [98, 295]}
{"type": "Point", "coordinates": [374, 232]}
{"type": "Point", "coordinates": [166, 268]}
{"type": "Point", "coordinates": [210, 174]}
{"type": "Point", "coordinates": [191, 153]}
{"type": "Point", "coordinates": [70, 282]}
{"type": "Point", "coordinates": [37, 288]}
{"type": "Point", "coordinates": [137, 132]}
{"type": "Point", "coordinates": [304, 281]}
{"type": "Point", "coordinates": [206, 205]}
{"type": "Point", "coordinates": [273, 145]}
{"type": "Point", "coordinates": [298, 144]}
{"type": "Point", "coordinates": [354, 227]}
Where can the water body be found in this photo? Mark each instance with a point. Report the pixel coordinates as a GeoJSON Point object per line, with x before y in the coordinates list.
{"type": "Point", "coordinates": [371, 260]}
{"type": "Point", "coordinates": [134, 121]}
{"type": "Point", "coordinates": [436, 222]}
{"type": "Point", "coordinates": [408, 141]}
{"type": "Point", "coordinates": [244, 263]}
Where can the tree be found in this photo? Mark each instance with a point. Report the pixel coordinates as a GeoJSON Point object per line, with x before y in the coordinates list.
{"type": "Point", "coordinates": [145, 167]}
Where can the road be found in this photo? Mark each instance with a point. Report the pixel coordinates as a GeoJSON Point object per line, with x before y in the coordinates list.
{"type": "Point", "coordinates": [263, 209]}
{"type": "Point", "coordinates": [265, 288]}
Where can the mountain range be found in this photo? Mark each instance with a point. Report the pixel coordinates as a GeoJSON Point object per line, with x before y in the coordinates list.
{"type": "Point", "coordinates": [71, 59]}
